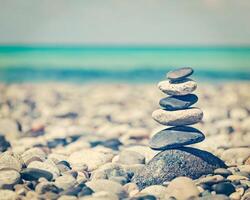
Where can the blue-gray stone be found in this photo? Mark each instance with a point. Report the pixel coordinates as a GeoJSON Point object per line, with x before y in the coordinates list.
{"type": "Point", "coordinates": [172, 163]}
{"type": "Point", "coordinates": [175, 137]}
{"type": "Point", "coordinates": [33, 174]}
{"type": "Point", "coordinates": [224, 188]}
{"type": "Point", "coordinates": [178, 102]}
{"type": "Point", "coordinates": [180, 73]}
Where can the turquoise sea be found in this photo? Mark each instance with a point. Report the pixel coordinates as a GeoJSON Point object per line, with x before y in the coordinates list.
{"type": "Point", "coordinates": [120, 64]}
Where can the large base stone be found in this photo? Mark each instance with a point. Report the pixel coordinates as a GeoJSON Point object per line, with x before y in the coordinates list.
{"type": "Point", "coordinates": [170, 164]}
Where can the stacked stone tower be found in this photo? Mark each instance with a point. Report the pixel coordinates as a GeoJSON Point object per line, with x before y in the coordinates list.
{"type": "Point", "coordinates": [176, 112]}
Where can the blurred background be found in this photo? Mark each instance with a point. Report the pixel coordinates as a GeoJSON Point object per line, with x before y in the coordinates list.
{"type": "Point", "coordinates": [123, 41]}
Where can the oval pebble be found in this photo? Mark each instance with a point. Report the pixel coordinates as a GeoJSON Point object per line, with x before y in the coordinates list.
{"type": "Point", "coordinates": [33, 174]}
{"type": "Point", "coordinates": [11, 161]}
{"type": "Point", "coordinates": [178, 102]}
{"type": "Point", "coordinates": [175, 137]}
{"type": "Point", "coordinates": [224, 188]}
{"type": "Point", "coordinates": [180, 73]}
{"type": "Point", "coordinates": [178, 117]}
{"type": "Point", "coordinates": [183, 87]}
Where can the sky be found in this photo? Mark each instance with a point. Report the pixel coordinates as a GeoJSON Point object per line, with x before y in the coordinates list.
{"type": "Point", "coordinates": [125, 22]}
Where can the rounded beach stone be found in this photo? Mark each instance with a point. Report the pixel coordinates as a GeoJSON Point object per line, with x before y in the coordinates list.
{"type": "Point", "coordinates": [178, 102]}
{"type": "Point", "coordinates": [44, 187]}
{"type": "Point", "coordinates": [175, 137]}
{"type": "Point", "coordinates": [158, 191]}
{"type": "Point", "coordinates": [93, 159]}
{"type": "Point", "coordinates": [182, 87]}
{"type": "Point", "coordinates": [7, 195]}
{"type": "Point", "coordinates": [86, 191]}
{"type": "Point", "coordinates": [180, 73]}
{"type": "Point", "coordinates": [169, 164]}
{"type": "Point", "coordinates": [33, 154]}
{"type": "Point", "coordinates": [65, 182]}
{"type": "Point", "coordinates": [223, 172]}
{"type": "Point", "coordinates": [33, 174]}
{"type": "Point", "coordinates": [178, 117]}
{"type": "Point", "coordinates": [46, 166]}
{"type": "Point", "coordinates": [130, 157]}
{"type": "Point", "coordinates": [235, 156]}
{"type": "Point", "coordinates": [8, 178]}
{"type": "Point", "coordinates": [106, 185]}
{"type": "Point", "coordinates": [224, 188]}
{"type": "Point", "coordinates": [210, 180]}
{"type": "Point", "coordinates": [109, 170]}
{"type": "Point", "coordinates": [182, 188]}
{"type": "Point", "coordinates": [10, 161]}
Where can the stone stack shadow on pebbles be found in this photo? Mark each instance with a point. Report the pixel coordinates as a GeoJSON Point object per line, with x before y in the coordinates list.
{"type": "Point", "coordinates": [174, 159]}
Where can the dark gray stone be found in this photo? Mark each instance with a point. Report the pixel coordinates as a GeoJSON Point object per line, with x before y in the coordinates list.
{"type": "Point", "coordinates": [72, 191]}
{"type": "Point", "coordinates": [4, 145]}
{"type": "Point", "coordinates": [180, 73]}
{"type": "Point", "coordinates": [175, 137]}
{"type": "Point", "coordinates": [111, 143]}
{"type": "Point", "coordinates": [170, 164]}
{"type": "Point", "coordinates": [85, 191]}
{"type": "Point", "coordinates": [178, 102]}
{"type": "Point", "coordinates": [145, 197]}
{"type": "Point", "coordinates": [224, 188]}
{"type": "Point", "coordinates": [32, 174]}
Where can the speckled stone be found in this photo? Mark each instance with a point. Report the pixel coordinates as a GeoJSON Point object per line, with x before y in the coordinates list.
{"type": "Point", "coordinates": [175, 137]}
{"type": "Point", "coordinates": [179, 117]}
{"type": "Point", "coordinates": [180, 73]}
{"type": "Point", "coordinates": [169, 164]}
{"type": "Point", "coordinates": [182, 87]}
{"type": "Point", "coordinates": [178, 102]}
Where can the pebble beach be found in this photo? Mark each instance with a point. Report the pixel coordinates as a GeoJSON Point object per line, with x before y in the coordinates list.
{"type": "Point", "coordinates": [88, 141]}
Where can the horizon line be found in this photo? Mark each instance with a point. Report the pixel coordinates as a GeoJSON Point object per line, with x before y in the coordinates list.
{"type": "Point", "coordinates": [120, 46]}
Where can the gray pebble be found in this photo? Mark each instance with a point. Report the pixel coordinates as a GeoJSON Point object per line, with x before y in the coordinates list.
{"type": "Point", "coordinates": [175, 137]}
{"type": "Point", "coordinates": [180, 73]}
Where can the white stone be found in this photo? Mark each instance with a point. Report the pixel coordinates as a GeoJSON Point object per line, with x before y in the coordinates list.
{"type": "Point", "coordinates": [182, 87]}
{"type": "Point", "coordinates": [178, 117]}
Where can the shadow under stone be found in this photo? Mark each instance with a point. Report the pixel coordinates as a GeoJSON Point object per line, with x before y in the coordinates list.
{"type": "Point", "coordinates": [169, 164]}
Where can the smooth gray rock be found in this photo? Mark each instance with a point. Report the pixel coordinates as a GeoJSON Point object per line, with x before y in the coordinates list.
{"type": "Point", "coordinates": [224, 188]}
{"type": "Point", "coordinates": [178, 102]}
{"type": "Point", "coordinates": [173, 163]}
{"type": "Point", "coordinates": [180, 73]}
{"type": "Point", "coordinates": [175, 137]}
{"type": "Point", "coordinates": [33, 174]}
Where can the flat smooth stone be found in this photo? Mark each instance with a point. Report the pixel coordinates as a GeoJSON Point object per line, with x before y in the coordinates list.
{"type": "Point", "coordinates": [33, 174]}
{"type": "Point", "coordinates": [169, 164]}
{"type": "Point", "coordinates": [180, 73]}
{"type": "Point", "coordinates": [175, 137]}
{"type": "Point", "coordinates": [179, 117]}
{"type": "Point", "coordinates": [178, 102]}
{"type": "Point", "coordinates": [182, 87]}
